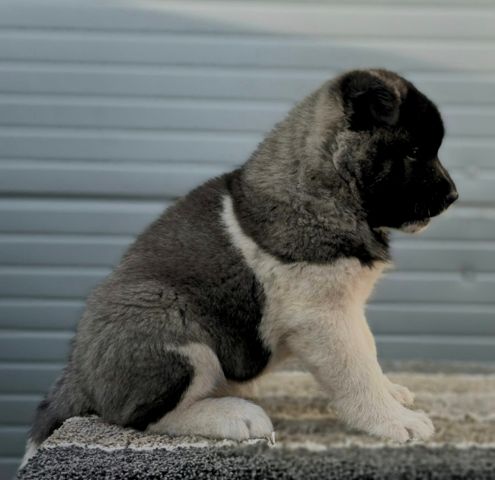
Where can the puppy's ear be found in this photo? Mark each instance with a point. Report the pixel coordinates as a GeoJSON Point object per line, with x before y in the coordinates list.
{"type": "Point", "coordinates": [368, 101]}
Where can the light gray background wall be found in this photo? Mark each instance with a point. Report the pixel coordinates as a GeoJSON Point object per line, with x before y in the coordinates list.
{"type": "Point", "coordinates": [110, 110]}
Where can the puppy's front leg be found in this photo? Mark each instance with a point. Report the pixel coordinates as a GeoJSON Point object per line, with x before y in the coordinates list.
{"type": "Point", "coordinates": [399, 392]}
{"type": "Point", "coordinates": [336, 349]}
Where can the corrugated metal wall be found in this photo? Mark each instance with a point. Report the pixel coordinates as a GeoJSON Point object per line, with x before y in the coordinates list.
{"type": "Point", "coordinates": [108, 111]}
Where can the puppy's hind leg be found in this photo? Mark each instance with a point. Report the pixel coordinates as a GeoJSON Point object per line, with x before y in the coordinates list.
{"type": "Point", "coordinates": [202, 412]}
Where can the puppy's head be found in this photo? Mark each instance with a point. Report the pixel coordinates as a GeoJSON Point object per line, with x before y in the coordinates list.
{"type": "Point", "coordinates": [389, 146]}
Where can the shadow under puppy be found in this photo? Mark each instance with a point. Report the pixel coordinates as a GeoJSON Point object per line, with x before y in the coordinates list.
{"type": "Point", "coordinates": [273, 259]}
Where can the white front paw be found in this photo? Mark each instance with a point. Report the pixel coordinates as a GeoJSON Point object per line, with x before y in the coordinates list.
{"type": "Point", "coordinates": [402, 424]}
{"type": "Point", "coordinates": [402, 394]}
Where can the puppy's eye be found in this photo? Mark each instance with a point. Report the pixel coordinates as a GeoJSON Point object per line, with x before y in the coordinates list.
{"type": "Point", "coordinates": [413, 155]}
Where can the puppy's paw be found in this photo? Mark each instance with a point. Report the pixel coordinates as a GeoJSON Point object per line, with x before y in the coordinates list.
{"type": "Point", "coordinates": [404, 425]}
{"type": "Point", "coordinates": [402, 394]}
{"type": "Point", "coordinates": [248, 417]}
{"type": "Point", "coordinates": [225, 418]}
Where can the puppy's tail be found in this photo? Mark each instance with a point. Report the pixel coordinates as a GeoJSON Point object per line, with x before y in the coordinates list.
{"type": "Point", "coordinates": [61, 403]}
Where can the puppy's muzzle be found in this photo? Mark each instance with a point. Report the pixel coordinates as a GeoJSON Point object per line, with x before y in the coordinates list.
{"type": "Point", "coordinates": [451, 197]}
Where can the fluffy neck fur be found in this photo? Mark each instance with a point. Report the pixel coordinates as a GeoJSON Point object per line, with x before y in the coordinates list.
{"type": "Point", "coordinates": [292, 199]}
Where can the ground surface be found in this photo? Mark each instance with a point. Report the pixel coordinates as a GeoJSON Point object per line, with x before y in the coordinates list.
{"type": "Point", "coordinates": [311, 443]}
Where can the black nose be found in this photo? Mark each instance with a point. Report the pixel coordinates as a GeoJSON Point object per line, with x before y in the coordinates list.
{"type": "Point", "coordinates": [452, 197]}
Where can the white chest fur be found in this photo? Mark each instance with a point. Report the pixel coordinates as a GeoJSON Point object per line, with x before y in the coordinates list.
{"type": "Point", "coordinates": [301, 293]}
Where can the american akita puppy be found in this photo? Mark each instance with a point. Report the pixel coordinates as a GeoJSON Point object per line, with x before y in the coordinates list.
{"type": "Point", "coordinates": [275, 258]}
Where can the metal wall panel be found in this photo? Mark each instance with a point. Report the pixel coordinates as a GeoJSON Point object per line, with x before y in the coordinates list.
{"type": "Point", "coordinates": [110, 109]}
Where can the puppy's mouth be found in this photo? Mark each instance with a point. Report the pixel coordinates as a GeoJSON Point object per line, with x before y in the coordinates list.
{"type": "Point", "coordinates": [417, 226]}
